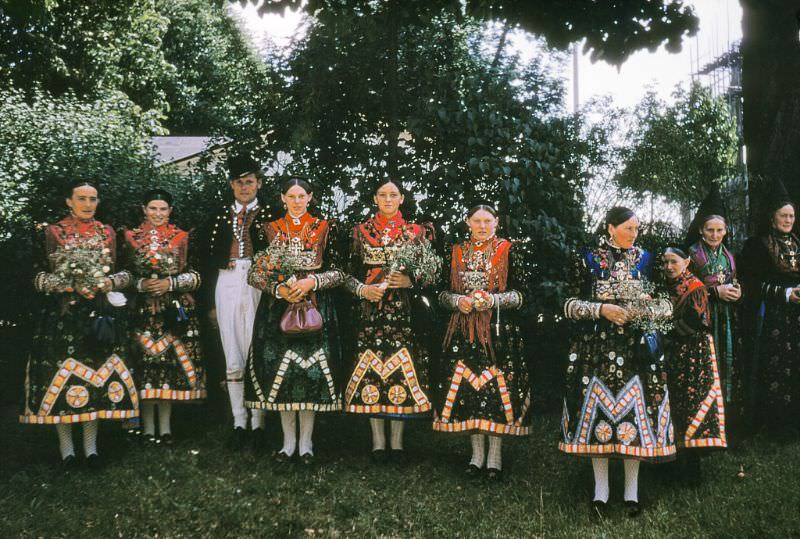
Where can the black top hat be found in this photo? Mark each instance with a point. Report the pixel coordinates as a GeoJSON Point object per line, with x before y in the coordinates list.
{"type": "Point", "coordinates": [241, 165]}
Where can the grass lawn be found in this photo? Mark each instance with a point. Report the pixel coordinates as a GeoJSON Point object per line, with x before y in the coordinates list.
{"type": "Point", "coordinates": [199, 489]}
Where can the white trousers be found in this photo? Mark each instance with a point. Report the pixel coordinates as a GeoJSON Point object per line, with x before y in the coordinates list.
{"type": "Point", "coordinates": [236, 303]}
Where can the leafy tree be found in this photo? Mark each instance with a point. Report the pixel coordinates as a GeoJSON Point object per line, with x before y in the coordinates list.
{"type": "Point", "coordinates": [55, 141]}
{"type": "Point", "coordinates": [612, 29]}
{"type": "Point", "coordinates": [452, 122]}
{"type": "Point", "coordinates": [222, 87]}
{"type": "Point", "coordinates": [87, 48]}
{"type": "Point", "coordinates": [678, 150]}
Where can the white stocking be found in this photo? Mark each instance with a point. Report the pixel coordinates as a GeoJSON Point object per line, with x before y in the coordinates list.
{"type": "Point", "coordinates": [65, 445]}
{"type": "Point", "coordinates": [148, 418]}
{"type": "Point", "coordinates": [236, 395]}
{"type": "Point", "coordinates": [378, 434]}
{"type": "Point", "coordinates": [257, 418]}
{"type": "Point", "coordinates": [306, 430]}
{"type": "Point", "coordinates": [397, 434]}
{"type": "Point", "coordinates": [494, 459]}
{"type": "Point", "coordinates": [601, 490]}
{"type": "Point", "coordinates": [478, 450]}
{"type": "Point", "coordinates": [90, 438]}
{"type": "Point", "coordinates": [164, 416]}
{"type": "Point", "coordinates": [631, 480]}
{"type": "Point", "coordinates": [289, 426]}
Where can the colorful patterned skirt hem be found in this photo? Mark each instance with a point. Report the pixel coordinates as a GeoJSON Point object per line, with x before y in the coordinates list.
{"type": "Point", "coordinates": [77, 418]}
{"type": "Point", "coordinates": [720, 443]}
{"type": "Point", "coordinates": [172, 394]}
{"type": "Point", "coordinates": [388, 410]}
{"type": "Point", "coordinates": [475, 426]}
{"type": "Point", "coordinates": [294, 406]}
{"type": "Point", "coordinates": [619, 450]}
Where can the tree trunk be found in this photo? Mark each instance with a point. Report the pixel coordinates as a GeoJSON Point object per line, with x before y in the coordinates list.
{"type": "Point", "coordinates": [771, 96]}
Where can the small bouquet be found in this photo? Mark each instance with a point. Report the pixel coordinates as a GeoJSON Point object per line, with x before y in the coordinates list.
{"type": "Point", "coordinates": [416, 260]}
{"type": "Point", "coordinates": [157, 263]}
{"type": "Point", "coordinates": [277, 264]}
{"type": "Point", "coordinates": [82, 267]}
{"type": "Point", "coordinates": [644, 307]}
{"type": "Point", "coordinates": [481, 298]}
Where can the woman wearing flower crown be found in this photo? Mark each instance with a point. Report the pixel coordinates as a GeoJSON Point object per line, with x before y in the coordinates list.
{"type": "Point", "coordinates": [770, 271]}
{"type": "Point", "coordinates": [485, 390]}
{"type": "Point", "coordinates": [696, 396]}
{"type": "Point", "coordinates": [392, 262]}
{"type": "Point", "coordinates": [169, 365]}
{"type": "Point", "coordinates": [295, 346]}
{"type": "Point", "coordinates": [616, 402]}
{"type": "Point", "coordinates": [76, 371]}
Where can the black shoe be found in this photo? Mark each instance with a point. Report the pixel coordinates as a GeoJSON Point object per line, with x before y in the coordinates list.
{"type": "Point", "coordinates": [598, 509]}
{"type": "Point", "coordinates": [399, 456]}
{"type": "Point", "coordinates": [493, 474]}
{"type": "Point", "coordinates": [166, 439]}
{"type": "Point", "coordinates": [378, 456]}
{"type": "Point", "coordinates": [150, 439]}
{"type": "Point", "coordinates": [472, 471]}
{"type": "Point", "coordinates": [633, 509]}
{"type": "Point", "coordinates": [282, 458]}
{"type": "Point", "coordinates": [69, 464]}
{"type": "Point", "coordinates": [93, 462]}
{"type": "Point", "coordinates": [258, 440]}
{"type": "Point", "coordinates": [307, 459]}
{"type": "Point", "coordinates": [133, 435]}
{"type": "Point", "coordinates": [237, 440]}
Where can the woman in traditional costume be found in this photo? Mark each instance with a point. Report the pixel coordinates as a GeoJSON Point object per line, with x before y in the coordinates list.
{"type": "Point", "coordinates": [392, 262]}
{"type": "Point", "coordinates": [485, 389]}
{"type": "Point", "coordinates": [696, 396]}
{"type": "Point", "coordinates": [770, 271]}
{"type": "Point", "coordinates": [616, 402]}
{"type": "Point", "coordinates": [76, 370]}
{"type": "Point", "coordinates": [714, 264]}
{"type": "Point", "coordinates": [168, 359]}
{"type": "Point", "coordinates": [296, 339]}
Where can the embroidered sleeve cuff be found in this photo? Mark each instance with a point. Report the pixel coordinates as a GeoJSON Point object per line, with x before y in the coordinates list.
{"type": "Point", "coordinates": [775, 293]}
{"type": "Point", "coordinates": [47, 282]}
{"type": "Point", "coordinates": [578, 309]}
{"type": "Point", "coordinates": [121, 280]}
{"type": "Point", "coordinates": [507, 300]}
{"type": "Point", "coordinates": [328, 279]}
{"type": "Point", "coordinates": [185, 282]}
{"type": "Point", "coordinates": [449, 300]}
{"type": "Point", "coordinates": [353, 285]}
{"type": "Point", "coordinates": [255, 280]}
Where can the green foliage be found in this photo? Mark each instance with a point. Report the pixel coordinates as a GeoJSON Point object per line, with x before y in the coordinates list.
{"type": "Point", "coordinates": [184, 62]}
{"type": "Point", "coordinates": [612, 29]}
{"type": "Point", "coordinates": [424, 103]}
{"type": "Point", "coordinates": [88, 48]}
{"type": "Point", "coordinates": [221, 87]}
{"type": "Point", "coordinates": [55, 141]}
{"type": "Point", "coordinates": [679, 150]}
